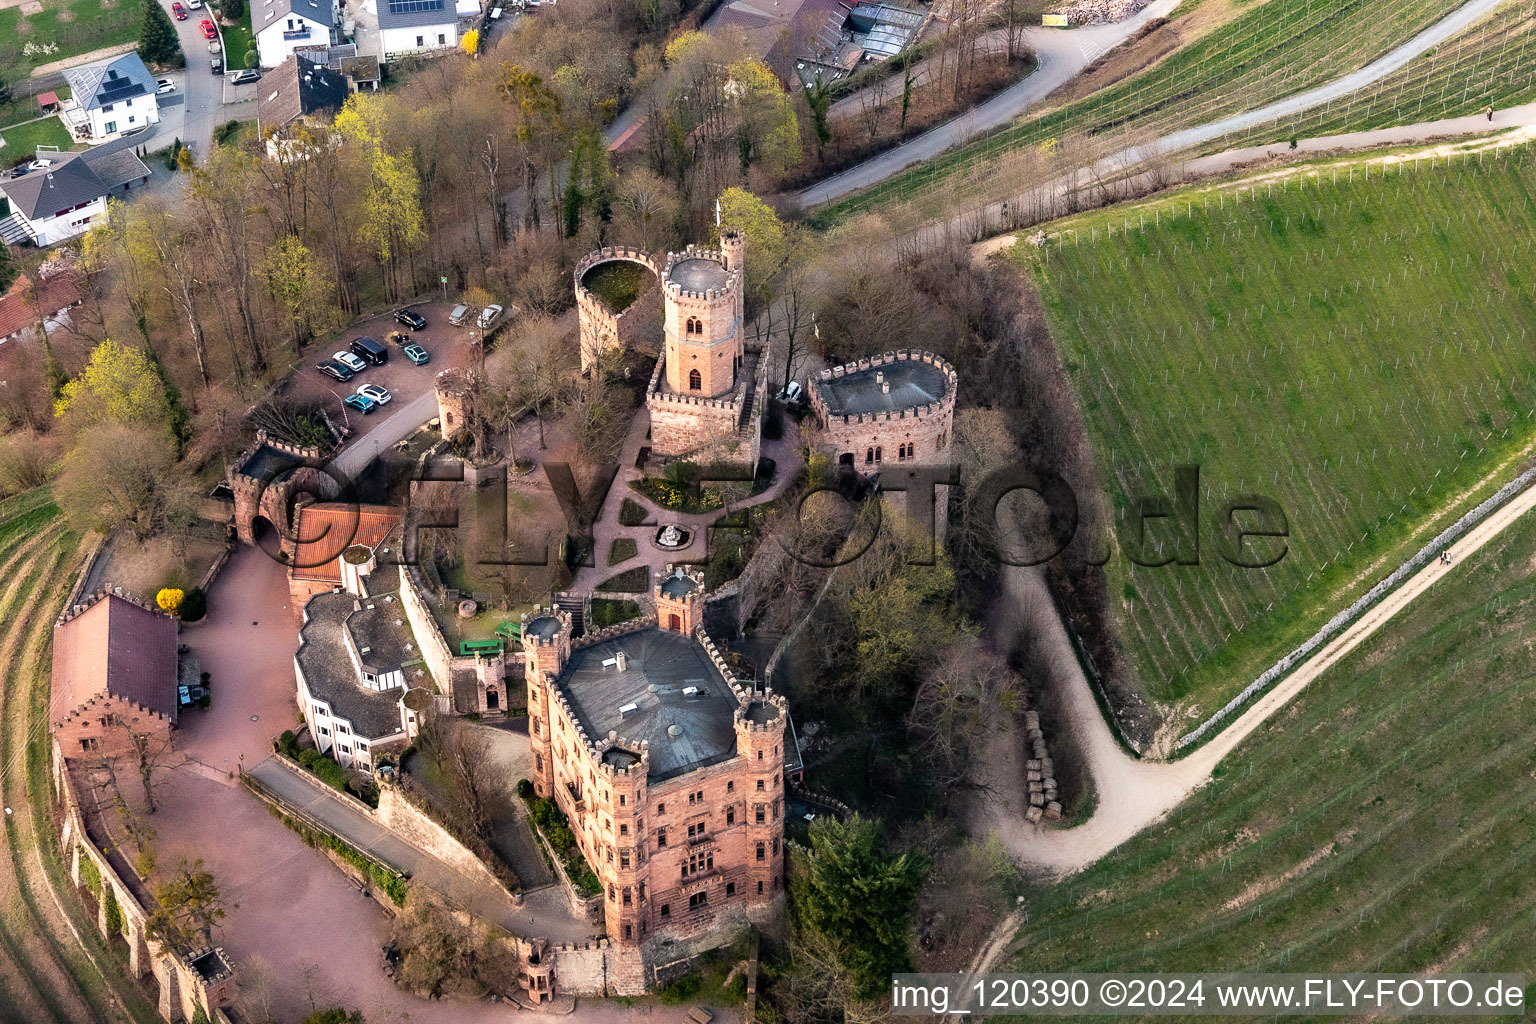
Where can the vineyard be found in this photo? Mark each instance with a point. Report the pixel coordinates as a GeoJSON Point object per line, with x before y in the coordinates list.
{"type": "Point", "coordinates": [46, 975]}
{"type": "Point", "coordinates": [1382, 823]}
{"type": "Point", "coordinates": [1273, 50]}
{"type": "Point", "coordinates": [1355, 346]}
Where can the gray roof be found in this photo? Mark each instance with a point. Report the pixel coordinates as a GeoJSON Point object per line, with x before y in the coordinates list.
{"type": "Point", "coordinates": [416, 13]}
{"type": "Point", "coordinates": [677, 585]}
{"type": "Point", "coordinates": [913, 382]}
{"type": "Point", "coordinates": [659, 665]}
{"type": "Point", "coordinates": [297, 87]}
{"type": "Point", "coordinates": [110, 81]}
{"type": "Point", "coordinates": [117, 168]}
{"type": "Point", "coordinates": [43, 193]}
{"type": "Point", "coordinates": [265, 15]}
{"type": "Point", "coordinates": [698, 275]}
{"type": "Point", "coordinates": [327, 666]}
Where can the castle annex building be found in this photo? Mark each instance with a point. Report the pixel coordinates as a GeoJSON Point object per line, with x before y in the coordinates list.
{"type": "Point", "coordinates": [670, 770]}
{"type": "Point", "coordinates": [886, 411]}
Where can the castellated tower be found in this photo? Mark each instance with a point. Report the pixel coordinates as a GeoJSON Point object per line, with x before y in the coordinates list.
{"type": "Point", "coordinates": [703, 327]}
{"type": "Point", "coordinates": [760, 744]}
{"type": "Point", "coordinates": [679, 598]}
{"type": "Point", "coordinates": [546, 648]}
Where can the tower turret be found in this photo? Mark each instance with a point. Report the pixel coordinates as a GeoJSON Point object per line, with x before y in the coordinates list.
{"type": "Point", "coordinates": [702, 291]}
{"type": "Point", "coordinates": [546, 646]}
{"type": "Point", "coordinates": [679, 597]}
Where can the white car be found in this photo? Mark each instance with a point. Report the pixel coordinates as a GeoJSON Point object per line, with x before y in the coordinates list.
{"type": "Point", "coordinates": [196, 5]}
{"type": "Point", "coordinates": [164, 85]}
{"type": "Point", "coordinates": [350, 361]}
{"type": "Point", "coordinates": [40, 164]}
{"type": "Point", "coordinates": [488, 317]}
{"type": "Point", "coordinates": [792, 393]}
{"type": "Point", "coordinates": [375, 392]}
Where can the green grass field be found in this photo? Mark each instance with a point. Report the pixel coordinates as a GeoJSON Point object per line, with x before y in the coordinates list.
{"type": "Point", "coordinates": [65, 28]}
{"type": "Point", "coordinates": [1384, 821]}
{"type": "Point", "coordinates": [1272, 50]}
{"type": "Point", "coordinates": [1359, 350]}
{"type": "Point", "coordinates": [23, 139]}
{"type": "Point", "coordinates": [1490, 63]}
{"type": "Point", "coordinates": [237, 40]}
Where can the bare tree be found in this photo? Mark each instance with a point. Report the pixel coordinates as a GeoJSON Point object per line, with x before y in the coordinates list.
{"type": "Point", "coordinates": [474, 787]}
{"type": "Point", "coordinates": [962, 700]}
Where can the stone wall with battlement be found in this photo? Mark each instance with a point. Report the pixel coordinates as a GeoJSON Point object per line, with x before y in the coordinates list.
{"type": "Point", "coordinates": [874, 439]}
{"type": "Point", "coordinates": [637, 327]}
{"type": "Point", "coordinates": [267, 479]}
{"type": "Point", "coordinates": [707, 429]}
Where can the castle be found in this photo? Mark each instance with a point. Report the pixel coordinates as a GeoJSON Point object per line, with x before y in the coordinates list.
{"type": "Point", "coordinates": [670, 769]}
{"type": "Point", "coordinates": [705, 394]}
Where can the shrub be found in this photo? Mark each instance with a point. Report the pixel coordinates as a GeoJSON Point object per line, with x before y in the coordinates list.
{"type": "Point", "coordinates": [561, 838]}
{"type": "Point", "coordinates": [288, 743]}
{"type": "Point", "coordinates": [194, 604]}
{"type": "Point", "coordinates": [607, 613]}
{"type": "Point", "coordinates": [623, 549]}
{"type": "Point", "coordinates": [524, 789]}
{"type": "Point", "coordinates": [631, 581]}
{"type": "Point", "coordinates": [252, 59]}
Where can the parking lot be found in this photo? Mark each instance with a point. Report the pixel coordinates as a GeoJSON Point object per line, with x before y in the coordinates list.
{"type": "Point", "coordinates": [447, 345]}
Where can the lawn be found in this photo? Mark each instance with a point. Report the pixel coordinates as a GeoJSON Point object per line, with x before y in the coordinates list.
{"type": "Point", "coordinates": [1385, 821]}
{"type": "Point", "coordinates": [65, 28]}
{"type": "Point", "coordinates": [1271, 50]}
{"type": "Point", "coordinates": [1354, 346]}
{"type": "Point", "coordinates": [23, 139]}
{"type": "Point", "coordinates": [618, 283]}
{"type": "Point", "coordinates": [237, 40]}
{"type": "Point", "coordinates": [24, 108]}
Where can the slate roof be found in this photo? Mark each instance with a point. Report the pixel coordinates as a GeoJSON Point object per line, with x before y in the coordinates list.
{"type": "Point", "coordinates": [42, 193]}
{"type": "Point", "coordinates": [265, 15]}
{"type": "Point", "coordinates": [416, 13]}
{"type": "Point", "coordinates": [326, 529]}
{"type": "Point", "coordinates": [324, 659]}
{"type": "Point", "coordinates": [117, 168]}
{"type": "Point", "coordinates": [115, 646]}
{"type": "Point", "coordinates": [297, 87]}
{"type": "Point", "coordinates": [913, 382]}
{"type": "Point", "coordinates": [659, 665]}
{"type": "Point", "coordinates": [18, 312]}
{"type": "Point", "coordinates": [110, 81]}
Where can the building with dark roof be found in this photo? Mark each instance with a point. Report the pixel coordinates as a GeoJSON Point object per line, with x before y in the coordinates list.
{"type": "Point", "coordinates": [52, 203]}
{"type": "Point", "coordinates": [669, 768]}
{"type": "Point", "coordinates": [407, 27]}
{"type": "Point", "coordinates": [114, 677]}
{"type": "Point", "coordinates": [110, 98]}
{"type": "Point", "coordinates": [283, 26]}
{"type": "Point", "coordinates": [298, 88]}
{"type": "Point", "coordinates": [885, 412]}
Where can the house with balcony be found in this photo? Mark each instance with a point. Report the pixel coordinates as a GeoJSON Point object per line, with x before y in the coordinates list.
{"type": "Point", "coordinates": [408, 27]}
{"type": "Point", "coordinates": [52, 203]}
{"type": "Point", "coordinates": [283, 26]}
{"type": "Point", "coordinates": [111, 98]}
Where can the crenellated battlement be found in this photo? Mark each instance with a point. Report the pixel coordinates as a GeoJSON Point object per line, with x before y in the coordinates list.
{"type": "Point", "coordinates": [85, 604]}
{"type": "Point", "coordinates": [618, 629]}
{"type": "Point", "coordinates": [676, 290]}
{"type": "Point", "coordinates": [943, 407]}
{"type": "Point", "coordinates": [551, 612]}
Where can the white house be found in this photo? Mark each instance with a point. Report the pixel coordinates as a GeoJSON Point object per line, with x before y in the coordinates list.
{"type": "Point", "coordinates": [283, 26]}
{"type": "Point", "coordinates": [110, 98]}
{"type": "Point", "coordinates": [415, 26]}
{"type": "Point", "coordinates": [53, 203]}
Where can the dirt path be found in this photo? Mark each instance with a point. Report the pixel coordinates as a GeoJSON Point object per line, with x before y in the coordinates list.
{"type": "Point", "coordinates": [1133, 794]}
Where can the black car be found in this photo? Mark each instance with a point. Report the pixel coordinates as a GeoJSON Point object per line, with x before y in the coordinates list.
{"type": "Point", "coordinates": [412, 319]}
{"type": "Point", "coordinates": [334, 370]}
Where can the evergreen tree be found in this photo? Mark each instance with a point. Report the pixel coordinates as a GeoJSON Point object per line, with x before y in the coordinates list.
{"type": "Point", "coordinates": [851, 891]}
{"type": "Point", "coordinates": [7, 267]}
{"type": "Point", "coordinates": [157, 37]}
{"type": "Point", "coordinates": [233, 10]}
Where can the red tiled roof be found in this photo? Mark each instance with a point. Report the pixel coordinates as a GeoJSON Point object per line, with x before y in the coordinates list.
{"type": "Point", "coordinates": [47, 99]}
{"type": "Point", "coordinates": [326, 529]}
{"type": "Point", "coordinates": [17, 311]}
{"type": "Point", "coordinates": [119, 647]}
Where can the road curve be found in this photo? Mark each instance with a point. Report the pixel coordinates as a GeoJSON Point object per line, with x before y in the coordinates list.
{"type": "Point", "coordinates": [1062, 56]}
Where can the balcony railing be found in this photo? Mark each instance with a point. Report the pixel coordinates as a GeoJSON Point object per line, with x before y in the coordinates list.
{"type": "Point", "coordinates": [298, 33]}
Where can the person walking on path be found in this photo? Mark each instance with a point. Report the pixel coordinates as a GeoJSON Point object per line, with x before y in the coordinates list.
{"type": "Point", "coordinates": [1490, 112]}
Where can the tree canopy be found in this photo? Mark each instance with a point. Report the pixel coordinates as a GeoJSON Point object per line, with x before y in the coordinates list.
{"type": "Point", "coordinates": [157, 37]}
{"type": "Point", "coordinates": [118, 385]}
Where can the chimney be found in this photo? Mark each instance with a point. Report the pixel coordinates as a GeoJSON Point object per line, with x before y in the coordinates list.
{"type": "Point", "coordinates": [621, 662]}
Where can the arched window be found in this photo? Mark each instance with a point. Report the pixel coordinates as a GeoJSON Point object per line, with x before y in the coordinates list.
{"type": "Point", "coordinates": [693, 326]}
{"type": "Point", "coordinates": [911, 449]}
{"type": "Point", "coordinates": [695, 382]}
{"type": "Point", "coordinates": [869, 456]}
{"type": "Point", "coordinates": [878, 453]}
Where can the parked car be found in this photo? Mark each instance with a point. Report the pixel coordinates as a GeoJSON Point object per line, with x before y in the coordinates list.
{"type": "Point", "coordinates": [367, 348]}
{"type": "Point", "coordinates": [488, 317]}
{"type": "Point", "coordinates": [362, 403]}
{"type": "Point", "coordinates": [42, 163]}
{"type": "Point", "coordinates": [245, 77]}
{"type": "Point", "coordinates": [459, 315]}
{"type": "Point", "coordinates": [791, 393]}
{"type": "Point", "coordinates": [376, 392]}
{"type": "Point", "coordinates": [417, 355]}
{"type": "Point", "coordinates": [179, 12]}
{"type": "Point", "coordinates": [412, 319]}
{"type": "Point", "coordinates": [334, 370]}
{"type": "Point", "coordinates": [163, 86]}
{"type": "Point", "coordinates": [196, 5]}
{"type": "Point", "coordinates": [350, 361]}
{"type": "Point", "coordinates": [217, 65]}
{"type": "Point", "coordinates": [209, 32]}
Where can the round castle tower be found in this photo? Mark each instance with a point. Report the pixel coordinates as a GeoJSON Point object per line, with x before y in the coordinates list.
{"type": "Point", "coordinates": [759, 724]}
{"type": "Point", "coordinates": [679, 598]}
{"type": "Point", "coordinates": [704, 293]}
{"type": "Point", "coordinates": [546, 647]}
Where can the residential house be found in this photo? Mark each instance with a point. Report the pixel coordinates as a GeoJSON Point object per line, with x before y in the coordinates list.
{"type": "Point", "coordinates": [110, 98]}
{"type": "Point", "coordinates": [362, 72]}
{"type": "Point", "coordinates": [409, 27]}
{"type": "Point", "coordinates": [283, 26]}
{"type": "Point", "coordinates": [52, 203]}
{"type": "Point", "coordinates": [46, 300]}
{"type": "Point", "coordinates": [297, 89]}
{"type": "Point", "coordinates": [115, 667]}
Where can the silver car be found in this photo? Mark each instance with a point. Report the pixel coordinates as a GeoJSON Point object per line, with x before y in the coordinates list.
{"type": "Point", "coordinates": [488, 317]}
{"type": "Point", "coordinates": [459, 315]}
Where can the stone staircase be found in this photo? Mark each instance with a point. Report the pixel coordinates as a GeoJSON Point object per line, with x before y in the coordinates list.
{"type": "Point", "coordinates": [574, 605]}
